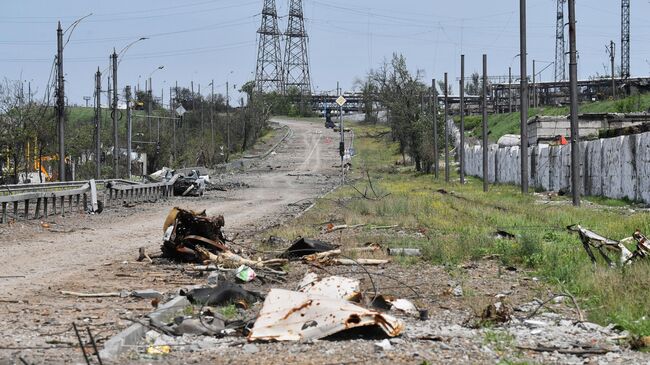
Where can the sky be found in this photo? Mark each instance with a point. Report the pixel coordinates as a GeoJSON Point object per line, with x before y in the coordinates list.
{"type": "Point", "coordinates": [205, 40]}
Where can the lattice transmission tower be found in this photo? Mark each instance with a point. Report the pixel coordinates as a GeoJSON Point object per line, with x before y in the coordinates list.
{"type": "Point", "coordinates": [625, 38]}
{"type": "Point", "coordinates": [296, 58]}
{"type": "Point", "coordinates": [269, 74]}
{"type": "Point", "coordinates": [560, 46]}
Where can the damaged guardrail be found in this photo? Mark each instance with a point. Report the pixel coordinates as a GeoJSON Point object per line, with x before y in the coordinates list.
{"type": "Point", "coordinates": [76, 199]}
{"type": "Point", "coordinates": [119, 192]}
{"type": "Point", "coordinates": [36, 201]}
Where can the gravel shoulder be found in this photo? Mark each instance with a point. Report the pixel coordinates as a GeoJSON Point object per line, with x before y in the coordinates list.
{"type": "Point", "coordinates": [96, 254]}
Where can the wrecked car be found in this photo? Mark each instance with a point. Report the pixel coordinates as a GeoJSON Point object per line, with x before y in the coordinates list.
{"type": "Point", "coordinates": [191, 185]}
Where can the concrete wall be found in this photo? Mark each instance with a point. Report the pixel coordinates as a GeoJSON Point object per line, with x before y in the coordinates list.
{"type": "Point", "coordinates": [612, 167]}
{"type": "Point", "coordinates": [545, 128]}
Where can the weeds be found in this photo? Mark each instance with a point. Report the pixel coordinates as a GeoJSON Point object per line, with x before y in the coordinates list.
{"type": "Point", "coordinates": [461, 226]}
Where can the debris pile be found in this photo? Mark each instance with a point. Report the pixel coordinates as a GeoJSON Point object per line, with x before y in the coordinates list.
{"type": "Point", "coordinates": [185, 231]}
{"type": "Point", "coordinates": [190, 185]}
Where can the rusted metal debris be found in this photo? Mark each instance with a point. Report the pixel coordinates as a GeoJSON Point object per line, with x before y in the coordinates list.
{"type": "Point", "coordinates": [296, 316]}
{"type": "Point", "coordinates": [186, 230]}
{"type": "Point", "coordinates": [331, 286]}
{"type": "Point", "coordinates": [602, 244]}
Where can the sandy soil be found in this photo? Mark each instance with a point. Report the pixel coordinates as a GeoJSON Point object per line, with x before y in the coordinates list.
{"type": "Point", "coordinates": [96, 253]}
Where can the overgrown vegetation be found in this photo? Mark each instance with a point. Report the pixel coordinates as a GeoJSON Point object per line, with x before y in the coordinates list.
{"type": "Point", "coordinates": [402, 93]}
{"type": "Point", "coordinates": [461, 225]}
{"type": "Point", "coordinates": [208, 133]}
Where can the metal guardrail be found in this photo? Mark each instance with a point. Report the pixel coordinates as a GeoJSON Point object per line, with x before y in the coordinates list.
{"type": "Point", "coordinates": [19, 206]}
{"type": "Point", "coordinates": [13, 189]}
{"type": "Point", "coordinates": [43, 200]}
{"type": "Point", "coordinates": [139, 192]}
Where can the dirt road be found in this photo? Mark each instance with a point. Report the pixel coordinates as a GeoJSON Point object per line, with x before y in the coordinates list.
{"type": "Point", "coordinates": [44, 257]}
{"type": "Point", "coordinates": [96, 252]}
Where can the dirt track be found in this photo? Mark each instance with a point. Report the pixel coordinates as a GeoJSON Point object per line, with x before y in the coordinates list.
{"type": "Point", "coordinates": [96, 253]}
{"type": "Point", "coordinates": [43, 257]}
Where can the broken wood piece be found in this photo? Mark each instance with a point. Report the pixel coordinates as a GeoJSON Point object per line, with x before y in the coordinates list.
{"type": "Point", "coordinates": [142, 255]}
{"type": "Point", "coordinates": [385, 227]}
{"type": "Point", "coordinates": [330, 229]}
{"type": "Point", "coordinates": [359, 262]}
{"type": "Point", "coordinates": [319, 256]}
{"type": "Point", "coordinates": [91, 295]}
{"type": "Point", "coordinates": [571, 351]}
{"type": "Point", "coordinates": [232, 260]}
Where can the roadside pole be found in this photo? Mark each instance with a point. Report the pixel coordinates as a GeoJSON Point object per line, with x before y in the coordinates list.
{"type": "Point", "coordinates": [575, 132]}
{"type": "Point", "coordinates": [129, 130]}
{"type": "Point", "coordinates": [98, 124]}
{"type": "Point", "coordinates": [461, 151]}
{"type": "Point", "coordinates": [436, 158]}
{"type": "Point", "coordinates": [340, 101]}
{"type": "Point", "coordinates": [485, 126]}
{"type": "Point", "coordinates": [446, 130]}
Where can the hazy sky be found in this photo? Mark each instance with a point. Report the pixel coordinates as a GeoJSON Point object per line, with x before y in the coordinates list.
{"type": "Point", "coordinates": [201, 40]}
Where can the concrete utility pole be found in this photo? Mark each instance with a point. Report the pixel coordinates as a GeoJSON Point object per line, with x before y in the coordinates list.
{"type": "Point", "coordinates": [212, 115]}
{"type": "Point", "coordinates": [446, 130]}
{"type": "Point", "coordinates": [575, 133]}
{"type": "Point", "coordinates": [510, 89]}
{"type": "Point", "coordinates": [60, 101]}
{"type": "Point", "coordinates": [612, 53]}
{"type": "Point", "coordinates": [149, 104]}
{"type": "Point", "coordinates": [98, 124]}
{"type": "Point", "coordinates": [342, 141]}
{"type": "Point", "coordinates": [176, 120]}
{"type": "Point", "coordinates": [129, 129]}
{"type": "Point", "coordinates": [462, 119]}
{"type": "Point", "coordinates": [525, 100]}
{"type": "Point", "coordinates": [534, 87]}
{"type": "Point", "coordinates": [485, 126]}
{"type": "Point", "coordinates": [228, 120]}
{"type": "Point", "coordinates": [436, 157]}
{"type": "Point", "coordinates": [116, 153]}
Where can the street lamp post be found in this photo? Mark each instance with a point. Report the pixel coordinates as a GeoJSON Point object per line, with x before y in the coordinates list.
{"type": "Point", "coordinates": [116, 60]}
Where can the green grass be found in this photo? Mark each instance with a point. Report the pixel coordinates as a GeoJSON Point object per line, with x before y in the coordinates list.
{"type": "Point", "coordinates": [229, 311]}
{"type": "Point", "coordinates": [508, 123]}
{"type": "Point", "coordinates": [459, 226]}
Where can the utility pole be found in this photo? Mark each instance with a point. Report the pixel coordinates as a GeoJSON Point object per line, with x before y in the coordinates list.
{"type": "Point", "coordinates": [534, 87]}
{"type": "Point", "coordinates": [342, 142]}
{"type": "Point", "coordinates": [149, 107]}
{"type": "Point", "coordinates": [485, 126]}
{"type": "Point", "coordinates": [129, 130]}
{"type": "Point", "coordinates": [462, 119]}
{"type": "Point", "coordinates": [108, 88]}
{"type": "Point", "coordinates": [60, 101]}
{"type": "Point", "coordinates": [446, 131]}
{"type": "Point", "coordinates": [575, 132]}
{"type": "Point", "coordinates": [523, 152]}
{"type": "Point", "coordinates": [116, 153]}
{"type": "Point", "coordinates": [510, 89]}
{"type": "Point", "coordinates": [228, 120]}
{"type": "Point", "coordinates": [612, 53]}
{"type": "Point", "coordinates": [436, 158]}
{"type": "Point", "coordinates": [98, 124]}
{"type": "Point", "coordinates": [212, 116]}
{"type": "Point", "coordinates": [175, 120]}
